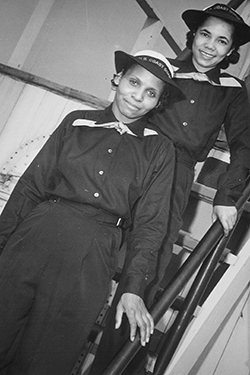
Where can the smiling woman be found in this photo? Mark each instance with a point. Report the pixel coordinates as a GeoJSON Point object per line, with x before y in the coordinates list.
{"type": "Point", "coordinates": [142, 83]}
{"type": "Point", "coordinates": [193, 125]}
{"type": "Point", "coordinates": [213, 41]}
{"type": "Point", "coordinates": [60, 231]}
{"type": "Point", "coordinates": [138, 92]}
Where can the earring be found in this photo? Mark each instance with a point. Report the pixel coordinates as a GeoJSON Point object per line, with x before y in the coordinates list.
{"type": "Point", "coordinates": [230, 52]}
{"type": "Point", "coordinates": [117, 78]}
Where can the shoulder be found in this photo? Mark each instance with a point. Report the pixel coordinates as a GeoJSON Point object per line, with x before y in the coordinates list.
{"type": "Point", "coordinates": [68, 120]}
{"type": "Point", "coordinates": [167, 143]}
{"type": "Point", "coordinates": [65, 128]}
{"type": "Point", "coordinates": [88, 114]}
{"type": "Point", "coordinates": [161, 143]}
{"type": "Point", "coordinates": [166, 151]}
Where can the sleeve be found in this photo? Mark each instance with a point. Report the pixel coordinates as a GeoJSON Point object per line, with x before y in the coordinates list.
{"type": "Point", "coordinates": [150, 220]}
{"type": "Point", "coordinates": [30, 190]}
{"type": "Point", "coordinates": [237, 127]}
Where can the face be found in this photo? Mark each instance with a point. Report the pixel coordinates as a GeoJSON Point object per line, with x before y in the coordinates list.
{"type": "Point", "coordinates": [212, 42]}
{"type": "Point", "coordinates": [137, 93]}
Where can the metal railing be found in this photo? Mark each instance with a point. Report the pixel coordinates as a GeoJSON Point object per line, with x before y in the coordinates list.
{"type": "Point", "coordinates": [190, 303]}
{"type": "Point", "coordinates": [208, 250]}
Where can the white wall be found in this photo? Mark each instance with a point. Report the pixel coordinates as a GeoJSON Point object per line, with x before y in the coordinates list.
{"type": "Point", "coordinates": [72, 42]}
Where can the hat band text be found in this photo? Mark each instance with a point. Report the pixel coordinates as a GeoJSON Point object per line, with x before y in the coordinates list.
{"type": "Point", "coordinates": [156, 62]}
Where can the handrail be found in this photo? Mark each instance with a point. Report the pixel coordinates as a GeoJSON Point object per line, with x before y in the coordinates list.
{"type": "Point", "coordinates": [171, 292]}
{"type": "Point", "coordinates": [191, 301]}
{"type": "Point", "coordinates": [193, 297]}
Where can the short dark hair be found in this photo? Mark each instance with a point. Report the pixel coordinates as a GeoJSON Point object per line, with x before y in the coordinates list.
{"type": "Point", "coordinates": [234, 56]}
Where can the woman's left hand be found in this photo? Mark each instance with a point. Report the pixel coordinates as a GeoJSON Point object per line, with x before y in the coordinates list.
{"type": "Point", "coordinates": [137, 314]}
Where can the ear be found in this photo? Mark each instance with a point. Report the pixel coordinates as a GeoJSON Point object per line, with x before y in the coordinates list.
{"type": "Point", "coordinates": [117, 78]}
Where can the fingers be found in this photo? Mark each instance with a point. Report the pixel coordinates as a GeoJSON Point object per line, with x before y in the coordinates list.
{"type": "Point", "coordinates": [227, 217]}
{"type": "Point", "coordinates": [138, 317]}
{"type": "Point", "coordinates": [118, 317]}
{"type": "Point", "coordinates": [144, 322]}
{"type": "Point", "coordinates": [225, 225]}
{"type": "Point", "coordinates": [228, 224]}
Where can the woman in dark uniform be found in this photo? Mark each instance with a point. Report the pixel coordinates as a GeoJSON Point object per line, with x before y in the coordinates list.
{"type": "Point", "coordinates": [212, 98]}
{"type": "Point", "coordinates": [60, 232]}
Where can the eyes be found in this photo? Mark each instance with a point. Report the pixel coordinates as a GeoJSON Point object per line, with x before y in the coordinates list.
{"type": "Point", "coordinates": [149, 91]}
{"type": "Point", "coordinates": [221, 40]}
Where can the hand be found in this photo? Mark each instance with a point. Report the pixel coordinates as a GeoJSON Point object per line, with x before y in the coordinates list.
{"type": "Point", "coordinates": [227, 216]}
{"type": "Point", "coordinates": [137, 314]}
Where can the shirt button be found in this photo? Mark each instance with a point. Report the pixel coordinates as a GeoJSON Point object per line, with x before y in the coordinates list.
{"type": "Point", "coordinates": [184, 123]}
{"type": "Point", "coordinates": [96, 195]}
{"type": "Point", "coordinates": [101, 173]}
{"type": "Point", "coordinates": [192, 101]}
{"type": "Point", "coordinates": [110, 150]}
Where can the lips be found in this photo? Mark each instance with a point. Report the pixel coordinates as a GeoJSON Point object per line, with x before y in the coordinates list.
{"type": "Point", "coordinates": [131, 105]}
{"type": "Point", "coordinates": [206, 55]}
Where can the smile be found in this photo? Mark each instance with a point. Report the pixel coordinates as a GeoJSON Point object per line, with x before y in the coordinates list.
{"type": "Point", "coordinates": [206, 55]}
{"type": "Point", "coordinates": [131, 105]}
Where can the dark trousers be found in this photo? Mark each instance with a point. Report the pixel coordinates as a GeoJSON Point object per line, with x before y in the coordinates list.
{"type": "Point", "coordinates": [55, 274]}
{"type": "Point", "coordinates": [112, 340]}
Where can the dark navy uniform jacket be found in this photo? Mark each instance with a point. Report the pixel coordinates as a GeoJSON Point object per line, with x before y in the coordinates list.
{"type": "Point", "coordinates": [127, 176]}
{"type": "Point", "coordinates": [193, 124]}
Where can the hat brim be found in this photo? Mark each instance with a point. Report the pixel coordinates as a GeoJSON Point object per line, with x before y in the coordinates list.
{"type": "Point", "coordinates": [194, 17]}
{"type": "Point", "coordinates": [123, 59]}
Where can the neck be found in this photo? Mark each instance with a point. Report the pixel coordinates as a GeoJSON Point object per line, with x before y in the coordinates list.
{"type": "Point", "coordinates": [199, 68]}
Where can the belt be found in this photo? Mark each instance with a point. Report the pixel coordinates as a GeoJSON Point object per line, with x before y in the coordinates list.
{"type": "Point", "coordinates": [93, 212]}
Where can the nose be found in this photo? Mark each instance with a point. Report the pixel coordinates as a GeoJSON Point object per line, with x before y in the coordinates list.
{"type": "Point", "coordinates": [210, 44]}
{"type": "Point", "coordinates": [138, 95]}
